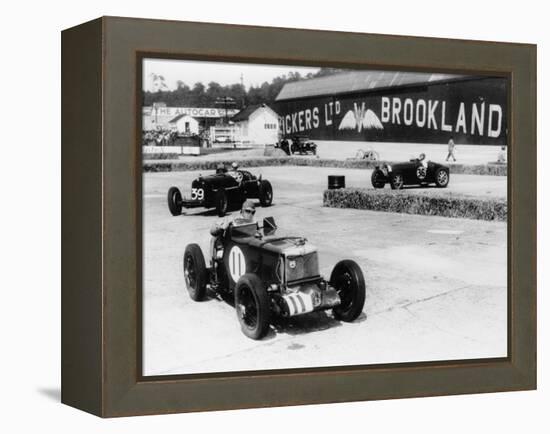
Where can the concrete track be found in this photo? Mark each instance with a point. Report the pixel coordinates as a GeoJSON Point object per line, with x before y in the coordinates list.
{"type": "Point", "coordinates": [436, 287]}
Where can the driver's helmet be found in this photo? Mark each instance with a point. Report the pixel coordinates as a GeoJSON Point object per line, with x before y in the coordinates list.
{"type": "Point", "coordinates": [220, 168]}
{"type": "Point", "coordinates": [248, 210]}
{"type": "Point", "coordinates": [234, 166]}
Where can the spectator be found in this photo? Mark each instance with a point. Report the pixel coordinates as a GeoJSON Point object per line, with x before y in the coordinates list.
{"type": "Point", "coordinates": [451, 149]}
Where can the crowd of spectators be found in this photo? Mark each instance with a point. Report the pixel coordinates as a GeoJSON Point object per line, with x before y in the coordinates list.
{"type": "Point", "coordinates": [168, 137]}
{"type": "Point", "coordinates": [158, 138]}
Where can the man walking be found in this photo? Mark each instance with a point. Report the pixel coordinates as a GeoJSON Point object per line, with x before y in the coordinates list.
{"type": "Point", "coordinates": [451, 149]}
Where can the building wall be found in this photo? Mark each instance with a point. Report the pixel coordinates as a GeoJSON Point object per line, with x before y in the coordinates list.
{"type": "Point", "coordinates": [262, 127]}
{"type": "Point", "coordinates": [474, 111]}
{"type": "Point", "coordinates": [193, 125]}
{"type": "Point", "coordinates": [160, 117]}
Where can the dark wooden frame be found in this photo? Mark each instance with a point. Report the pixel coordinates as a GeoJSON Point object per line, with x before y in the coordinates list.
{"type": "Point", "coordinates": [101, 226]}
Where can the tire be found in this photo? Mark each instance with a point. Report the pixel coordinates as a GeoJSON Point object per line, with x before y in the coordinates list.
{"type": "Point", "coordinates": [441, 178]}
{"type": "Point", "coordinates": [396, 181]}
{"type": "Point", "coordinates": [377, 179]}
{"type": "Point", "coordinates": [293, 149]}
{"type": "Point", "coordinates": [347, 278]}
{"type": "Point", "coordinates": [266, 193]}
{"type": "Point", "coordinates": [252, 306]}
{"type": "Point", "coordinates": [174, 201]}
{"type": "Point", "coordinates": [221, 202]}
{"type": "Point", "coordinates": [194, 270]}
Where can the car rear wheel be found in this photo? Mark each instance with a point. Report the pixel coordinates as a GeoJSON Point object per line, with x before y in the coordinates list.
{"type": "Point", "coordinates": [252, 306]}
{"type": "Point", "coordinates": [266, 193]}
{"type": "Point", "coordinates": [378, 179]}
{"type": "Point", "coordinates": [396, 181]}
{"type": "Point", "coordinates": [347, 278]}
{"type": "Point", "coordinates": [221, 202]}
{"type": "Point", "coordinates": [194, 270]}
{"type": "Point", "coordinates": [174, 201]}
{"type": "Point", "coordinates": [441, 178]}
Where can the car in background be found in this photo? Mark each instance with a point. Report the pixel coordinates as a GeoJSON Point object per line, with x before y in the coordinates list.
{"type": "Point", "coordinates": [415, 172]}
{"type": "Point", "coordinates": [222, 190]}
{"type": "Point", "coordinates": [297, 145]}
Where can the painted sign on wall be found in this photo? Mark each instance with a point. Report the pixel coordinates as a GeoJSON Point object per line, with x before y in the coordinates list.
{"type": "Point", "coordinates": [472, 111]}
{"type": "Point", "coordinates": [199, 112]}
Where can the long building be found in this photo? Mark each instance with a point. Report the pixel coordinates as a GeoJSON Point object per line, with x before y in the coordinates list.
{"type": "Point", "coordinates": [386, 106]}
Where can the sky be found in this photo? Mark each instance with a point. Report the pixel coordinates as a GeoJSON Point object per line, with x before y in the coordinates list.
{"type": "Point", "coordinates": [191, 72]}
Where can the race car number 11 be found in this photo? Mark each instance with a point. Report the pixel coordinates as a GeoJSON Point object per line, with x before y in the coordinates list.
{"type": "Point", "coordinates": [197, 194]}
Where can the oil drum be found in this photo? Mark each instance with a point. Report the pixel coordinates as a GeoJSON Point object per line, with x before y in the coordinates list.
{"type": "Point", "coordinates": [336, 181]}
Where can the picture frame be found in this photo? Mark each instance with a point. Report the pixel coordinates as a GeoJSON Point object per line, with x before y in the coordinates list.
{"type": "Point", "coordinates": [101, 217]}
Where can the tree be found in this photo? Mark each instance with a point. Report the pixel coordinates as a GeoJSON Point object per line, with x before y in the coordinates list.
{"type": "Point", "coordinates": [201, 96]}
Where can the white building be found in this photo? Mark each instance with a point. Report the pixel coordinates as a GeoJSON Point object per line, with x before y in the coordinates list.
{"type": "Point", "coordinates": [257, 125]}
{"type": "Point", "coordinates": [185, 124]}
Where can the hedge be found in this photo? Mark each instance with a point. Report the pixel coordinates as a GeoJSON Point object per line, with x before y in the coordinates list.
{"type": "Point", "coordinates": [402, 201]}
{"type": "Point", "coordinates": [150, 165]}
{"type": "Point", "coordinates": [161, 156]}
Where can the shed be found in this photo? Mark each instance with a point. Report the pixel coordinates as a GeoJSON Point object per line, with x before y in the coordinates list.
{"type": "Point", "coordinates": [257, 125]}
{"type": "Point", "coordinates": [185, 125]}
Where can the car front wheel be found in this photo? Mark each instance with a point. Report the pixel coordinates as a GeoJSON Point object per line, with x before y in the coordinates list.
{"type": "Point", "coordinates": [396, 181]}
{"type": "Point", "coordinates": [378, 179]}
{"type": "Point", "coordinates": [221, 202]}
{"type": "Point", "coordinates": [194, 271]}
{"type": "Point", "coordinates": [252, 306]}
{"type": "Point", "coordinates": [174, 201]}
{"type": "Point", "coordinates": [266, 193]}
{"type": "Point", "coordinates": [347, 278]}
{"type": "Point", "coordinates": [441, 178]}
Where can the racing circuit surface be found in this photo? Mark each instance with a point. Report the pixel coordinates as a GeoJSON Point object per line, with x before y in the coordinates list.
{"type": "Point", "coordinates": [436, 286]}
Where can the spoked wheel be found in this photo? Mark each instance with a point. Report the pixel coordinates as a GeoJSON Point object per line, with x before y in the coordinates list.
{"type": "Point", "coordinates": [221, 202]}
{"type": "Point", "coordinates": [441, 178]}
{"type": "Point", "coordinates": [174, 201]}
{"type": "Point", "coordinates": [396, 181]}
{"type": "Point", "coordinates": [194, 270]}
{"type": "Point", "coordinates": [347, 278]}
{"type": "Point", "coordinates": [266, 193]}
{"type": "Point", "coordinates": [252, 306]}
{"type": "Point", "coordinates": [377, 179]}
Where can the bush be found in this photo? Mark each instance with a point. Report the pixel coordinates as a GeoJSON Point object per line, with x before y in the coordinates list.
{"type": "Point", "coordinates": [418, 203]}
{"type": "Point", "coordinates": [480, 169]}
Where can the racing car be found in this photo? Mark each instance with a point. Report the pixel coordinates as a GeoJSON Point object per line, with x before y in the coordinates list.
{"type": "Point", "coordinates": [297, 145]}
{"type": "Point", "coordinates": [416, 171]}
{"type": "Point", "coordinates": [270, 276]}
{"type": "Point", "coordinates": [222, 190]}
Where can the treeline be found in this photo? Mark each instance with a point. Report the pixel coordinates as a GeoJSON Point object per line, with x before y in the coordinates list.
{"type": "Point", "coordinates": [214, 94]}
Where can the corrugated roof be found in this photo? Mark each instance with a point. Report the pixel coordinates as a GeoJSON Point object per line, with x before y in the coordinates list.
{"type": "Point", "coordinates": [357, 81]}
{"type": "Point", "coordinates": [245, 113]}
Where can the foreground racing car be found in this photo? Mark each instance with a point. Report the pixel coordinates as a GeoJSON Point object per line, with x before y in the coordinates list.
{"type": "Point", "coordinates": [417, 171]}
{"type": "Point", "coordinates": [269, 275]}
{"type": "Point", "coordinates": [222, 190]}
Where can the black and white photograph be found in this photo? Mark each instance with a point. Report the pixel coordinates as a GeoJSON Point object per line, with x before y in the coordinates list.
{"type": "Point", "coordinates": [306, 217]}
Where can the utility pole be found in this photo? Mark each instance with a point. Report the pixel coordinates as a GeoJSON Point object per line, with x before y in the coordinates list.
{"type": "Point", "coordinates": [225, 100]}
{"type": "Point", "coordinates": [242, 85]}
